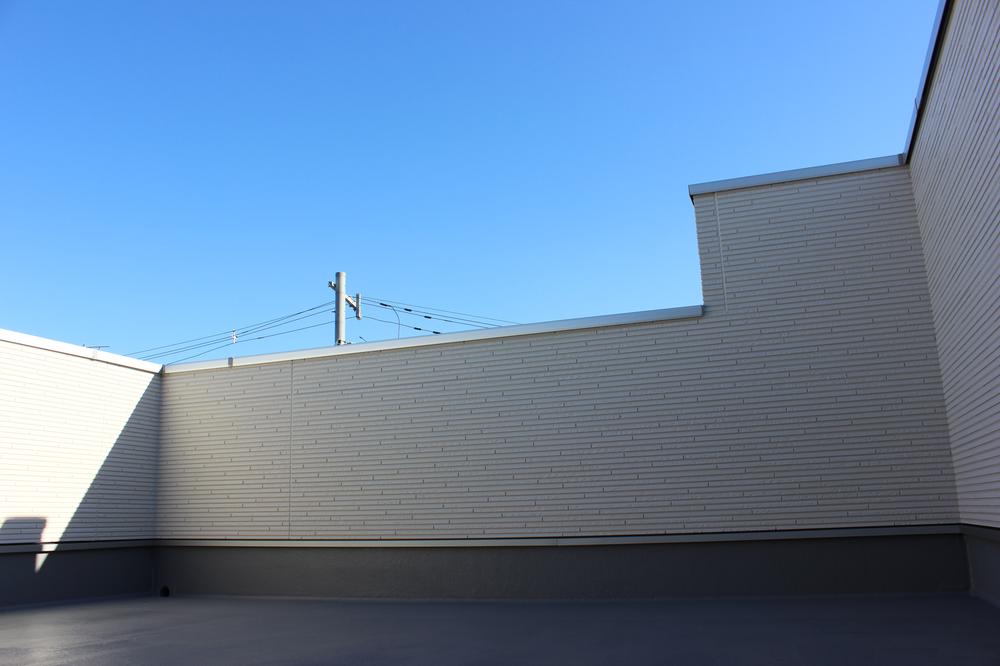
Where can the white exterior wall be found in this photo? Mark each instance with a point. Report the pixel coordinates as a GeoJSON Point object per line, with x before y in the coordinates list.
{"type": "Point", "coordinates": [78, 440]}
{"type": "Point", "coordinates": [808, 396]}
{"type": "Point", "coordinates": [955, 167]}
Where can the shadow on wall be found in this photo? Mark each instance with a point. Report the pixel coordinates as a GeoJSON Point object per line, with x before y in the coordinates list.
{"type": "Point", "coordinates": [104, 549]}
{"type": "Point", "coordinates": [28, 532]}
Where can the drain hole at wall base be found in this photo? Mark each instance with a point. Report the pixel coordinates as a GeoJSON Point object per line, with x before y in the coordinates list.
{"type": "Point", "coordinates": [164, 591]}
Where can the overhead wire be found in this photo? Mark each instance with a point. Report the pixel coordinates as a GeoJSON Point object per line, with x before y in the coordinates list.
{"type": "Point", "coordinates": [415, 328]}
{"type": "Point", "coordinates": [399, 323]}
{"type": "Point", "coordinates": [188, 358]}
{"type": "Point", "coordinates": [208, 340]}
{"type": "Point", "coordinates": [236, 335]}
{"type": "Point", "coordinates": [423, 315]}
{"type": "Point", "coordinates": [432, 310]}
{"type": "Point", "coordinates": [259, 337]}
{"type": "Point", "coordinates": [489, 321]}
{"type": "Point", "coordinates": [240, 328]}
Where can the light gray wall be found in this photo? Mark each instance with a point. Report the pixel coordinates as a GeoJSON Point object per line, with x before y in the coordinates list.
{"type": "Point", "coordinates": [807, 396]}
{"type": "Point", "coordinates": [78, 443]}
{"type": "Point", "coordinates": [955, 167]}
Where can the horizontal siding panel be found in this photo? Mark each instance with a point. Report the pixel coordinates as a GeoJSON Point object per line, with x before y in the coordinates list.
{"type": "Point", "coordinates": [78, 448]}
{"type": "Point", "coordinates": [955, 167]}
{"type": "Point", "coordinates": [757, 416]}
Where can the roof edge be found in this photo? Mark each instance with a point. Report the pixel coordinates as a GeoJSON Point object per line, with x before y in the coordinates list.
{"type": "Point", "coordinates": [938, 32]}
{"type": "Point", "coordinates": [79, 351]}
{"type": "Point", "coordinates": [645, 316]}
{"type": "Point", "coordinates": [927, 76]}
{"type": "Point", "coordinates": [792, 175]}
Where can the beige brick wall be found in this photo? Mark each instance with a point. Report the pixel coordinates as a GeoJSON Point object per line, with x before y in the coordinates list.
{"type": "Point", "coordinates": [955, 168]}
{"type": "Point", "coordinates": [807, 396]}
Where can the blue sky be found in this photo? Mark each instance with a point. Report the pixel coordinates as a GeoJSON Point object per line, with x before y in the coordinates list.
{"type": "Point", "coordinates": [169, 170]}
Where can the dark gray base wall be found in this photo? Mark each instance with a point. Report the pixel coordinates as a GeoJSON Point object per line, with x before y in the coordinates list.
{"type": "Point", "coordinates": [75, 574]}
{"type": "Point", "coordinates": [846, 565]}
{"type": "Point", "coordinates": [898, 564]}
{"type": "Point", "coordinates": [983, 547]}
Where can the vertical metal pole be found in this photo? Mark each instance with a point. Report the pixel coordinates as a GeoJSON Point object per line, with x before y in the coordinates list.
{"type": "Point", "coordinates": [341, 307]}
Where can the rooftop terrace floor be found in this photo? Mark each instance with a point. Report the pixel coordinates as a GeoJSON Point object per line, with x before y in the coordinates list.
{"type": "Point", "coordinates": [904, 630]}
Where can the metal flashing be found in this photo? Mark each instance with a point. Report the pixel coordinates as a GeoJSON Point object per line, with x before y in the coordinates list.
{"type": "Point", "coordinates": [923, 90]}
{"type": "Point", "coordinates": [64, 546]}
{"type": "Point", "coordinates": [26, 340]}
{"type": "Point", "coordinates": [645, 316]}
{"type": "Point", "coordinates": [927, 76]}
{"type": "Point", "coordinates": [807, 173]}
{"type": "Point", "coordinates": [516, 542]}
{"type": "Point", "coordinates": [492, 542]}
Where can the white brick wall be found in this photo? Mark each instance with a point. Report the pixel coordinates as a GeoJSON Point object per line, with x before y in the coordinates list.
{"type": "Point", "coordinates": [956, 178]}
{"type": "Point", "coordinates": [807, 396]}
{"type": "Point", "coordinates": [77, 447]}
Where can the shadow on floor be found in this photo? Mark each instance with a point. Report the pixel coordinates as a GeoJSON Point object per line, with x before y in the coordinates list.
{"type": "Point", "coordinates": [938, 629]}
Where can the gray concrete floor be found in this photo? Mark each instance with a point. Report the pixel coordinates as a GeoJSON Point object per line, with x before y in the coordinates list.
{"type": "Point", "coordinates": [907, 630]}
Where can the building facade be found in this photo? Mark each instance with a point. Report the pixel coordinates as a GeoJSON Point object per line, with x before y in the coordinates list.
{"type": "Point", "coordinates": [828, 420]}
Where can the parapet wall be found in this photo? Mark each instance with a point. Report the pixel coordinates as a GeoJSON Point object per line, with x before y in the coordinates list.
{"type": "Point", "coordinates": [955, 166]}
{"type": "Point", "coordinates": [78, 443]}
{"type": "Point", "coordinates": [807, 396]}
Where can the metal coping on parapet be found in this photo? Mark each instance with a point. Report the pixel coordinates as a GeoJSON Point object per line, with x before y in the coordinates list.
{"type": "Point", "coordinates": [647, 316]}
{"type": "Point", "coordinates": [927, 76]}
{"type": "Point", "coordinates": [920, 101]}
{"type": "Point", "coordinates": [69, 349]}
{"type": "Point", "coordinates": [808, 173]}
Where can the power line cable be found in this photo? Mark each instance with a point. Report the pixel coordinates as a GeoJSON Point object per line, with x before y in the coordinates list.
{"type": "Point", "coordinates": [415, 328]}
{"type": "Point", "coordinates": [234, 335]}
{"type": "Point", "coordinates": [211, 338]}
{"type": "Point", "coordinates": [294, 330]}
{"type": "Point", "coordinates": [416, 313]}
{"type": "Point", "coordinates": [277, 323]}
{"type": "Point", "coordinates": [398, 322]}
{"type": "Point", "coordinates": [259, 337]}
{"type": "Point", "coordinates": [229, 332]}
{"type": "Point", "coordinates": [432, 310]}
{"type": "Point", "coordinates": [487, 321]}
{"type": "Point", "coordinates": [430, 314]}
{"type": "Point", "coordinates": [188, 358]}
{"type": "Point", "coordinates": [263, 326]}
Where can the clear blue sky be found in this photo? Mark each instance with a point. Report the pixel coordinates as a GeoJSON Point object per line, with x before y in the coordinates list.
{"type": "Point", "coordinates": [172, 169]}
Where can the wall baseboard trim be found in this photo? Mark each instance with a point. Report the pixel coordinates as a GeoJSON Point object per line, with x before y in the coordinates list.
{"type": "Point", "coordinates": [512, 542]}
